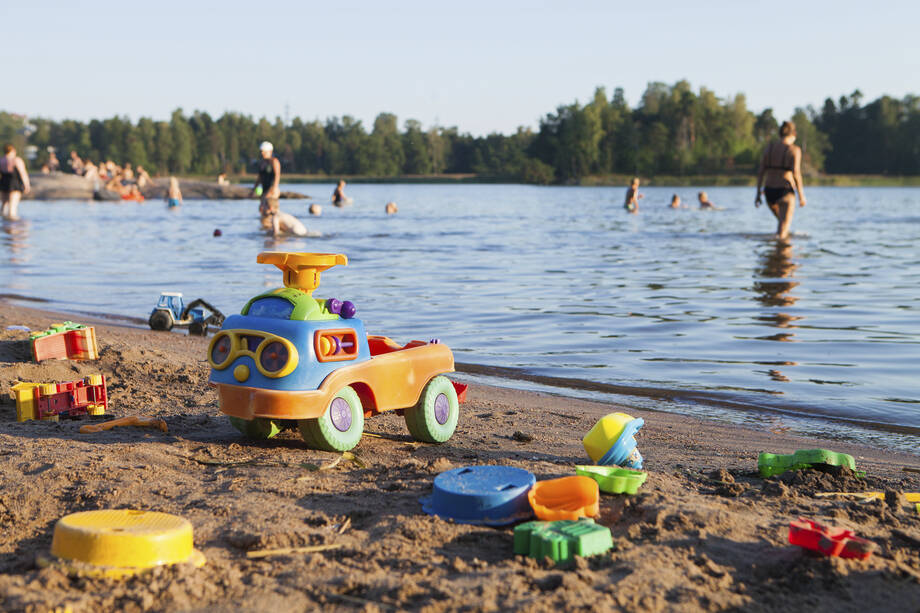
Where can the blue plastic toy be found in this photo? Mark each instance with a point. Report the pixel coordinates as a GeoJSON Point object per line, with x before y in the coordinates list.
{"type": "Point", "coordinates": [490, 495]}
{"type": "Point", "coordinates": [171, 312]}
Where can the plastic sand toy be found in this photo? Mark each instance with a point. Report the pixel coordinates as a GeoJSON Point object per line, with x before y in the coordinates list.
{"type": "Point", "coordinates": [123, 542]}
{"type": "Point", "coordinates": [490, 495]}
{"type": "Point", "coordinates": [908, 496]}
{"type": "Point", "coordinates": [828, 540]}
{"type": "Point", "coordinates": [131, 420]}
{"type": "Point", "coordinates": [613, 479]}
{"type": "Point", "coordinates": [171, 312]}
{"type": "Point", "coordinates": [612, 441]}
{"type": "Point", "coordinates": [292, 360]}
{"type": "Point", "coordinates": [565, 498]}
{"type": "Point", "coordinates": [49, 401]}
{"type": "Point", "coordinates": [66, 341]}
{"type": "Point", "coordinates": [561, 541]}
{"type": "Point", "coordinates": [770, 464]}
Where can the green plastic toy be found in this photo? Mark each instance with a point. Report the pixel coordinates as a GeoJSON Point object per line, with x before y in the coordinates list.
{"type": "Point", "coordinates": [613, 479]}
{"type": "Point", "coordinates": [771, 464]}
{"type": "Point", "coordinates": [57, 329]}
{"type": "Point", "coordinates": [561, 540]}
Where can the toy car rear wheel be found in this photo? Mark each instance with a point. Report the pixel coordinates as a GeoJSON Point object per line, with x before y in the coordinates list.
{"type": "Point", "coordinates": [340, 427]}
{"type": "Point", "coordinates": [160, 320]}
{"type": "Point", "coordinates": [198, 328]}
{"type": "Point", "coordinates": [434, 418]}
{"type": "Point", "coordinates": [259, 427]}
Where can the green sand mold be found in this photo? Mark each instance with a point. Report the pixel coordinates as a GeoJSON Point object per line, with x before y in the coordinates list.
{"type": "Point", "coordinates": [770, 464]}
{"type": "Point", "coordinates": [561, 540]}
{"type": "Point", "coordinates": [613, 479]}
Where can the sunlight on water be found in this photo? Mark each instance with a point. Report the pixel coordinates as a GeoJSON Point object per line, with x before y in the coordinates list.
{"type": "Point", "coordinates": [555, 281]}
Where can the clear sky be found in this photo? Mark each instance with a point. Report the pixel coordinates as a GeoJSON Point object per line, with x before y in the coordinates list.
{"type": "Point", "coordinates": [481, 66]}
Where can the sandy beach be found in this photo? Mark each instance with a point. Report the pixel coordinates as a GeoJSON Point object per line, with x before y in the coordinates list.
{"type": "Point", "coordinates": [704, 533]}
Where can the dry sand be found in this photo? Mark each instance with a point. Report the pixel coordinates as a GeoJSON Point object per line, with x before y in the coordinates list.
{"type": "Point", "coordinates": [703, 534]}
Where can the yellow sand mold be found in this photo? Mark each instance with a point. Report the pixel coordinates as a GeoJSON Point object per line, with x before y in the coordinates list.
{"type": "Point", "coordinates": [121, 542]}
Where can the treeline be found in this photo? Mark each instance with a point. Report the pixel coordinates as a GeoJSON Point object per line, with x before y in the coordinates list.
{"type": "Point", "coordinates": [673, 130]}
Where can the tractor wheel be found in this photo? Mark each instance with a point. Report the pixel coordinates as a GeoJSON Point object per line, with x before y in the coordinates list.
{"type": "Point", "coordinates": [259, 427]}
{"type": "Point", "coordinates": [340, 427]}
{"type": "Point", "coordinates": [198, 328]}
{"type": "Point", "coordinates": [434, 418]}
{"type": "Point", "coordinates": [160, 320]}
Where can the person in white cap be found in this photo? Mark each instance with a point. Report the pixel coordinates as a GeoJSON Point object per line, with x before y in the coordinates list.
{"type": "Point", "coordinates": [269, 176]}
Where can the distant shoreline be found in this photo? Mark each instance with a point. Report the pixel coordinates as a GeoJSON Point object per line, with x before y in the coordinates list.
{"type": "Point", "coordinates": [728, 180]}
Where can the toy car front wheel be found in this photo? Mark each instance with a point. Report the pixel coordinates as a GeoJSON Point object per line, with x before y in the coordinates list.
{"type": "Point", "coordinates": [434, 418]}
{"type": "Point", "coordinates": [340, 427]}
{"type": "Point", "coordinates": [198, 328]}
{"type": "Point", "coordinates": [259, 427]}
{"type": "Point", "coordinates": [160, 320]}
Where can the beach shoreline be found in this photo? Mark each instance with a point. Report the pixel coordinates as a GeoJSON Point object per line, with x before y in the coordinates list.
{"type": "Point", "coordinates": [704, 533]}
{"type": "Point", "coordinates": [713, 406]}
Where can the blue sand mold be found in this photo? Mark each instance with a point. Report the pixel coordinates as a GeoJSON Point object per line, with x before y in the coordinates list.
{"type": "Point", "coordinates": [491, 495]}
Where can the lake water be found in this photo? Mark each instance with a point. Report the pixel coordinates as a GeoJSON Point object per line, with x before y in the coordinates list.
{"type": "Point", "coordinates": [694, 311]}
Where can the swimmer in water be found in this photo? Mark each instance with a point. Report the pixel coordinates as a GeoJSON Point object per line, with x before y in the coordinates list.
{"type": "Point", "coordinates": [338, 196]}
{"type": "Point", "coordinates": [633, 196]}
{"type": "Point", "coordinates": [173, 193]}
{"type": "Point", "coordinates": [277, 221]}
{"type": "Point", "coordinates": [704, 201]}
{"type": "Point", "coordinates": [781, 177]}
{"type": "Point", "coordinates": [391, 208]}
{"type": "Point", "coordinates": [675, 201]}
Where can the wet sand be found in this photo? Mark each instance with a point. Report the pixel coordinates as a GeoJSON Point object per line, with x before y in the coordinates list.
{"type": "Point", "coordinates": [705, 533]}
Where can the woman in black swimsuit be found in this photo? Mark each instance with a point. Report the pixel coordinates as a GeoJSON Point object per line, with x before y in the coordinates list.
{"type": "Point", "coordinates": [14, 182]}
{"type": "Point", "coordinates": [781, 177]}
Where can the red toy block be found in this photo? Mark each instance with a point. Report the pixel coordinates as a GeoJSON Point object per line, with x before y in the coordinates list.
{"type": "Point", "coordinates": [828, 540]}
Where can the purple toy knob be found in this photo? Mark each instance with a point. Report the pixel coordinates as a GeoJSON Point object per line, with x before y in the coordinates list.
{"type": "Point", "coordinates": [348, 309]}
{"type": "Point", "coordinates": [434, 341]}
{"type": "Point", "coordinates": [333, 305]}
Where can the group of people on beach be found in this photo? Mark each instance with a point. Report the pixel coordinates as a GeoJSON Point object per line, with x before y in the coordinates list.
{"type": "Point", "coordinates": [778, 181]}
{"type": "Point", "coordinates": [122, 180]}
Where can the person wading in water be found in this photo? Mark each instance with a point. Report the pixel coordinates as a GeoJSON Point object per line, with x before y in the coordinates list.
{"type": "Point", "coordinates": [269, 177]}
{"type": "Point", "coordinates": [781, 177]}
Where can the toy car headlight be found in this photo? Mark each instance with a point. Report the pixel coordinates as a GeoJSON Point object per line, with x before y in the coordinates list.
{"type": "Point", "coordinates": [220, 351]}
{"type": "Point", "coordinates": [276, 358]}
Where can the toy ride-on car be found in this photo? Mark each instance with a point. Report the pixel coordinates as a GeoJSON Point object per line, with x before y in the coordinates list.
{"type": "Point", "coordinates": [170, 313]}
{"type": "Point", "coordinates": [292, 360]}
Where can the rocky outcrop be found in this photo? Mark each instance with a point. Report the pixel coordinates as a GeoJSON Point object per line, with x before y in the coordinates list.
{"type": "Point", "coordinates": [71, 187]}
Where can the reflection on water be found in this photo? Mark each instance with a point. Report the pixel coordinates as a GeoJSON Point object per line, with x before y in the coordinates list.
{"type": "Point", "coordinates": [15, 240]}
{"type": "Point", "coordinates": [551, 281]}
{"type": "Point", "coordinates": [776, 271]}
{"type": "Point", "coordinates": [773, 289]}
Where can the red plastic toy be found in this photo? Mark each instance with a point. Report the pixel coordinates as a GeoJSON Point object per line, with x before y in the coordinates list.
{"type": "Point", "coordinates": [50, 400]}
{"type": "Point", "coordinates": [828, 540]}
{"type": "Point", "coordinates": [66, 341]}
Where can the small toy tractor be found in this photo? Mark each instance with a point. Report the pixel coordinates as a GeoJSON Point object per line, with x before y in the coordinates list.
{"type": "Point", "coordinates": [170, 313]}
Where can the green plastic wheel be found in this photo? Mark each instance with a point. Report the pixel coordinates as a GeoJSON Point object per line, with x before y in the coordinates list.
{"type": "Point", "coordinates": [434, 418]}
{"type": "Point", "coordinates": [340, 427]}
{"type": "Point", "coordinates": [257, 428]}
